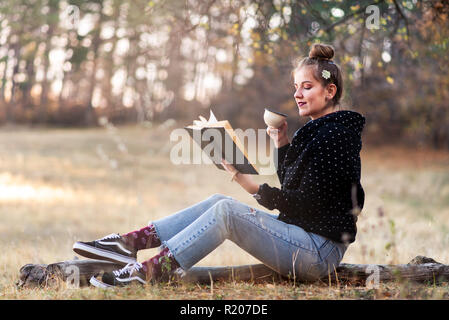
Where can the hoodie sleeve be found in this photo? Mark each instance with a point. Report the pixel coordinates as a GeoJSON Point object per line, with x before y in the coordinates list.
{"type": "Point", "coordinates": [330, 161]}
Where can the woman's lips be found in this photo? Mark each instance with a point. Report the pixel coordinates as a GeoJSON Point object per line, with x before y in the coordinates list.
{"type": "Point", "coordinates": [301, 104]}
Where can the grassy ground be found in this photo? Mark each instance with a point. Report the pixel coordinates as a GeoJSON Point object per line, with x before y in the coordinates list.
{"type": "Point", "coordinates": [62, 185]}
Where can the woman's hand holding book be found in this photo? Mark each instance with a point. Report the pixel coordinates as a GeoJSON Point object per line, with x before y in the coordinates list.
{"type": "Point", "coordinates": [244, 180]}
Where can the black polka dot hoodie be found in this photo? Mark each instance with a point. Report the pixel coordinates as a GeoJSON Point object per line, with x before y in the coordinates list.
{"type": "Point", "coordinates": [319, 172]}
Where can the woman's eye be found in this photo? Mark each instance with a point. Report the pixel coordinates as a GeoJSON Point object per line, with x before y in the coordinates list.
{"type": "Point", "coordinates": [307, 88]}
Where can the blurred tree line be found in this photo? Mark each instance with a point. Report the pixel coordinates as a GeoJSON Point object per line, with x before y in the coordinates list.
{"type": "Point", "coordinates": [71, 62]}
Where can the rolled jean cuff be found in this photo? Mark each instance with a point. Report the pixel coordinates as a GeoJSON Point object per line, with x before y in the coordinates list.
{"type": "Point", "coordinates": [181, 263]}
{"type": "Point", "coordinates": [156, 228]}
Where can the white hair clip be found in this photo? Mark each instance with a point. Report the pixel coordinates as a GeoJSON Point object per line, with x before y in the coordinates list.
{"type": "Point", "coordinates": [326, 74]}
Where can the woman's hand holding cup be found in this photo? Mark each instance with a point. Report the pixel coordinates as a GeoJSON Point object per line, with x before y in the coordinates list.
{"type": "Point", "coordinates": [279, 135]}
{"type": "Point", "coordinates": [277, 127]}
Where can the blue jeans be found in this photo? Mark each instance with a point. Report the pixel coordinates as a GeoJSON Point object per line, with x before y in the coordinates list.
{"type": "Point", "coordinates": [193, 233]}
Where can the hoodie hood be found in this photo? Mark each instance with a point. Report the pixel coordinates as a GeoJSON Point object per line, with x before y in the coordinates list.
{"type": "Point", "coordinates": [351, 120]}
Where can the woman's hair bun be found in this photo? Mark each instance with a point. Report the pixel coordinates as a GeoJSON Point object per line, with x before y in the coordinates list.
{"type": "Point", "coordinates": [321, 51]}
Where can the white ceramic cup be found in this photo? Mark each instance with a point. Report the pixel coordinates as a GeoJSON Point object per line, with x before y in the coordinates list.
{"type": "Point", "coordinates": [273, 119]}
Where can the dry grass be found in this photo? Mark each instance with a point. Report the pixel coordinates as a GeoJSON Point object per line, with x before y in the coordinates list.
{"type": "Point", "coordinates": [58, 186]}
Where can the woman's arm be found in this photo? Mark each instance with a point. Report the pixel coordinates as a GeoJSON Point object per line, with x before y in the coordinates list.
{"type": "Point", "coordinates": [331, 167]}
{"type": "Point", "coordinates": [244, 180]}
{"type": "Point", "coordinates": [281, 142]}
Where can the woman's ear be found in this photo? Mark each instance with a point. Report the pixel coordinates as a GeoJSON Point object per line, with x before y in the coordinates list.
{"type": "Point", "coordinates": [331, 90]}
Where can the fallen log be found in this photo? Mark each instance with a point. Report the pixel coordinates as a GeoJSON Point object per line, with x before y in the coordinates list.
{"type": "Point", "coordinates": [72, 272]}
{"type": "Point", "coordinates": [78, 272]}
{"type": "Point", "coordinates": [419, 269]}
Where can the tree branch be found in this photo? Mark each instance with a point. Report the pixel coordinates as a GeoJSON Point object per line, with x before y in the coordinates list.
{"type": "Point", "coordinates": [398, 9]}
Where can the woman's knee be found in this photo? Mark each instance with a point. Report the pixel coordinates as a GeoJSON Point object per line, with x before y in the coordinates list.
{"type": "Point", "coordinates": [217, 197]}
{"type": "Point", "coordinates": [223, 208]}
{"type": "Point", "coordinates": [224, 204]}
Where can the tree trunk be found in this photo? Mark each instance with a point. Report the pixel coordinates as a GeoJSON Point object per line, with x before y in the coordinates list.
{"type": "Point", "coordinates": [53, 20]}
{"type": "Point", "coordinates": [4, 76]}
{"type": "Point", "coordinates": [10, 114]}
{"type": "Point", "coordinates": [78, 273]}
{"type": "Point", "coordinates": [31, 78]}
{"type": "Point", "coordinates": [175, 75]}
{"type": "Point", "coordinates": [109, 65]}
{"type": "Point", "coordinates": [96, 42]}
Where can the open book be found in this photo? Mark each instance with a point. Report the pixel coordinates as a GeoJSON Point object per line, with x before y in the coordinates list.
{"type": "Point", "coordinates": [219, 141]}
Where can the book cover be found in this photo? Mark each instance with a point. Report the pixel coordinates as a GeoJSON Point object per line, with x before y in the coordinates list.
{"type": "Point", "coordinates": [218, 140]}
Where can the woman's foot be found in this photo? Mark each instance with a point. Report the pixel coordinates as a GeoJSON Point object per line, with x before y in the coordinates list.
{"type": "Point", "coordinates": [160, 268]}
{"type": "Point", "coordinates": [117, 248]}
{"type": "Point", "coordinates": [111, 248]}
{"type": "Point", "coordinates": [131, 273]}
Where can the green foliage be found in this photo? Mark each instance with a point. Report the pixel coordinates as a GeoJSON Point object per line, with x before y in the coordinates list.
{"type": "Point", "coordinates": [166, 264]}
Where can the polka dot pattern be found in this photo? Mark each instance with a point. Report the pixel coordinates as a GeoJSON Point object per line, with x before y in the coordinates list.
{"type": "Point", "coordinates": [319, 174]}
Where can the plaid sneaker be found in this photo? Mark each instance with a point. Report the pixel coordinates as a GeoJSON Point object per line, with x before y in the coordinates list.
{"type": "Point", "coordinates": [112, 248]}
{"type": "Point", "coordinates": [131, 273]}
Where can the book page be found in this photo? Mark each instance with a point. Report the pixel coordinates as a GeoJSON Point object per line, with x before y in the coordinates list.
{"type": "Point", "coordinates": [214, 123]}
{"type": "Point", "coordinates": [212, 118]}
{"type": "Point", "coordinates": [203, 122]}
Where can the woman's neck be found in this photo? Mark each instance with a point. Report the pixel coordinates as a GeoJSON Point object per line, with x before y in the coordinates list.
{"type": "Point", "coordinates": [326, 111]}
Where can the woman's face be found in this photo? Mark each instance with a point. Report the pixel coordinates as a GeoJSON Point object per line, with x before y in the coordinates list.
{"type": "Point", "coordinates": [311, 97]}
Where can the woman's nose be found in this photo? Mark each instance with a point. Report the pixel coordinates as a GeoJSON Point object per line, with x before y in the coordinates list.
{"type": "Point", "coordinates": [298, 93]}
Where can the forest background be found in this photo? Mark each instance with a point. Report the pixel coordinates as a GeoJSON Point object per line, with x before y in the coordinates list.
{"type": "Point", "coordinates": [69, 63]}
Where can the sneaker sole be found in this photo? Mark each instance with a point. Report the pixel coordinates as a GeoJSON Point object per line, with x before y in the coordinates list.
{"type": "Point", "coordinates": [97, 283]}
{"type": "Point", "coordinates": [97, 253]}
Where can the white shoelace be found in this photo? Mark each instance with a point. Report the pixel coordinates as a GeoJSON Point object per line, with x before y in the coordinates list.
{"type": "Point", "coordinates": [129, 268]}
{"type": "Point", "coordinates": [180, 272]}
{"type": "Point", "coordinates": [110, 236]}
